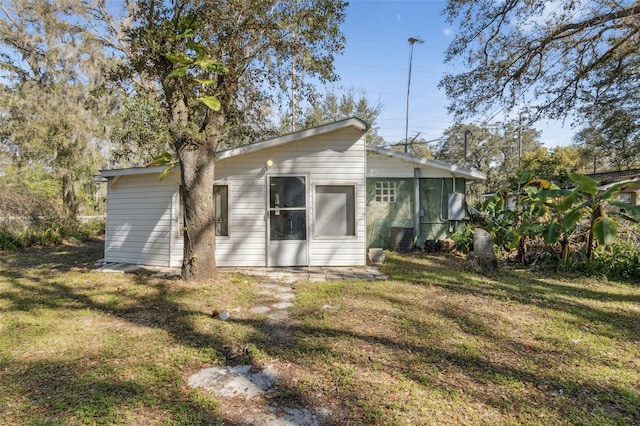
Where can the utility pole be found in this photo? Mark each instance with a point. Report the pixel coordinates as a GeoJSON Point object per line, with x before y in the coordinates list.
{"type": "Point", "coordinates": [412, 41]}
{"type": "Point", "coordinates": [519, 138]}
{"type": "Point", "coordinates": [293, 93]}
{"type": "Point", "coordinates": [467, 132]}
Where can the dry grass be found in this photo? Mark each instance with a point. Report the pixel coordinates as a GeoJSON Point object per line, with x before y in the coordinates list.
{"type": "Point", "coordinates": [443, 346]}
{"type": "Point", "coordinates": [434, 345]}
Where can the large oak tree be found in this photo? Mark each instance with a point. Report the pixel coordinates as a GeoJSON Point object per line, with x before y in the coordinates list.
{"type": "Point", "coordinates": [554, 55]}
{"type": "Point", "coordinates": [214, 64]}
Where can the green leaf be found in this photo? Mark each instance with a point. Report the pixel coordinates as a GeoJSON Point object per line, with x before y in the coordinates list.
{"type": "Point", "coordinates": [205, 62]}
{"type": "Point", "coordinates": [179, 58]}
{"type": "Point", "coordinates": [585, 183]}
{"type": "Point", "coordinates": [195, 46]}
{"type": "Point", "coordinates": [631, 212]}
{"type": "Point", "coordinates": [613, 190]}
{"type": "Point", "coordinates": [513, 238]}
{"type": "Point", "coordinates": [211, 101]}
{"type": "Point", "coordinates": [525, 177]}
{"type": "Point", "coordinates": [535, 228]}
{"type": "Point", "coordinates": [552, 233]}
{"type": "Point", "coordinates": [206, 82]}
{"type": "Point", "coordinates": [178, 72]}
{"type": "Point", "coordinates": [163, 159]}
{"type": "Point", "coordinates": [532, 191]}
{"type": "Point", "coordinates": [605, 230]}
{"type": "Point", "coordinates": [165, 172]}
{"type": "Point", "coordinates": [566, 203]}
{"type": "Point", "coordinates": [571, 218]}
{"type": "Point", "coordinates": [188, 33]}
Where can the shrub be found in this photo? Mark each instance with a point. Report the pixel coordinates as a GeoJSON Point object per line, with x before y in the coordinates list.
{"type": "Point", "coordinates": [620, 260]}
{"type": "Point", "coordinates": [33, 218]}
{"type": "Point", "coordinates": [464, 239]}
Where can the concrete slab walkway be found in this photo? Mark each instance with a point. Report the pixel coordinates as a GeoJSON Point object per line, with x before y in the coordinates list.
{"type": "Point", "coordinates": [284, 274]}
{"type": "Point", "coordinates": [312, 273]}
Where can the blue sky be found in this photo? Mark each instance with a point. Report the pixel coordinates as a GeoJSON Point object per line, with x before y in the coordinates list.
{"type": "Point", "coordinates": [376, 59]}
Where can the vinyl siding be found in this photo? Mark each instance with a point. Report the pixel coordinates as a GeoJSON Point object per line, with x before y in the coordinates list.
{"type": "Point", "coordinates": [140, 219]}
{"type": "Point", "coordinates": [143, 212]}
{"type": "Point", "coordinates": [335, 158]}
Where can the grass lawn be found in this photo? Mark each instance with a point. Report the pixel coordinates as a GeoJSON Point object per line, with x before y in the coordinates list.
{"type": "Point", "coordinates": [435, 344]}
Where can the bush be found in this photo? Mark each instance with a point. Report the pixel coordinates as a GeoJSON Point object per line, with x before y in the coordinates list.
{"type": "Point", "coordinates": [29, 218]}
{"type": "Point", "coordinates": [18, 235]}
{"type": "Point", "coordinates": [464, 239]}
{"type": "Point", "coordinates": [620, 260]}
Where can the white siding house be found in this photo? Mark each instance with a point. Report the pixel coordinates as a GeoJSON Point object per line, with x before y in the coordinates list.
{"type": "Point", "coordinates": [294, 200]}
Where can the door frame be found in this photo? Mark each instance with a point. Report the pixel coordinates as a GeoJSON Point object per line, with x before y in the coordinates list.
{"type": "Point", "coordinates": [269, 245]}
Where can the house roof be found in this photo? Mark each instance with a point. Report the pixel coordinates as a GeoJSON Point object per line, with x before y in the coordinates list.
{"type": "Point", "coordinates": [295, 136]}
{"type": "Point", "coordinates": [439, 165]}
{"type": "Point", "coordinates": [269, 143]}
{"type": "Point", "coordinates": [316, 131]}
{"type": "Point", "coordinates": [606, 178]}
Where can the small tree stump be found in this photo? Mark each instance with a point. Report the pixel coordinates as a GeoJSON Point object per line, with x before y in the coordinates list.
{"type": "Point", "coordinates": [483, 263]}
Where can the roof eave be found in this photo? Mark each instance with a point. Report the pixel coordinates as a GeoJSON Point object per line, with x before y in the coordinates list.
{"type": "Point", "coordinates": [132, 171]}
{"type": "Point", "coordinates": [469, 173]}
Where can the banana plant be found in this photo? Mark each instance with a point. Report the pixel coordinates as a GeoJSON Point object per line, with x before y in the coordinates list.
{"type": "Point", "coordinates": [555, 214]}
{"type": "Point", "coordinates": [592, 203]}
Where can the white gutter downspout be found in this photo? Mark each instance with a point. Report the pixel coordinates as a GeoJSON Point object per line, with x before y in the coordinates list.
{"type": "Point", "coordinates": [416, 204]}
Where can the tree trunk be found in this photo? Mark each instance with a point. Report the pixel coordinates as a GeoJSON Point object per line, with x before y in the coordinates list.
{"type": "Point", "coordinates": [69, 200]}
{"type": "Point", "coordinates": [197, 173]}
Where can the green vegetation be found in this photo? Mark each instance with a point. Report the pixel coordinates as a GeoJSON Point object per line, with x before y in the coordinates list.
{"type": "Point", "coordinates": [31, 213]}
{"type": "Point", "coordinates": [568, 224]}
{"type": "Point", "coordinates": [47, 232]}
{"type": "Point", "coordinates": [434, 344]}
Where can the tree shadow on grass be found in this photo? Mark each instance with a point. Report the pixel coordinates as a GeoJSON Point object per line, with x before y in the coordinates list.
{"type": "Point", "coordinates": [512, 286]}
{"type": "Point", "coordinates": [83, 389]}
{"type": "Point", "coordinates": [469, 372]}
{"type": "Point", "coordinates": [71, 393]}
{"type": "Point", "coordinates": [68, 391]}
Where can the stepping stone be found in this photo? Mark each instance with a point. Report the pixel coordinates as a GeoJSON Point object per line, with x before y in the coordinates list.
{"type": "Point", "coordinates": [282, 305]}
{"type": "Point", "coordinates": [284, 296]}
{"type": "Point", "coordinates": [260, 310]}
{"type": "Point", "coordinates": [236, 381]}
{"type": "Point", "coordinates": [279, 316]}
{"type": "Point", "coordinates": [276, 288]}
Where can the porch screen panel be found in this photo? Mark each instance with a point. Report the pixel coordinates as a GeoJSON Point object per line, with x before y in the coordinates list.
{"type": "Point", "coordinates": [335, 213]}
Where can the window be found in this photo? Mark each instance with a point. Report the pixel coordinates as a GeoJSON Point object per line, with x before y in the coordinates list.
{"type": "Point", "coordinates": [386, 192]}
{"type": "Point", "coordinates": [335, 209]}
{"type": "Point", "coordinates": [627, 197]}
{"type": "Point", "coordinates": [221, 209]}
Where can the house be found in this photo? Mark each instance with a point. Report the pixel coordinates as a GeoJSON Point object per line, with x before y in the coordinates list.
{"type": "Point", "coordinates": [295, 200]}
{"type": "Point", "coordinates": [630, 194]}
{"type": "Point", "coordinates": [412, 200]}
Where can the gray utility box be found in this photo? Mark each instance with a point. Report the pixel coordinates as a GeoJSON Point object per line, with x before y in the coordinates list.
{"type": "Point", "coordinates": [456, 207]}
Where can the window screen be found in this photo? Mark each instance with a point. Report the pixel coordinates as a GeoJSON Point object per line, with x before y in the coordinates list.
{"type": "Point", "coordinates": [335, 210]}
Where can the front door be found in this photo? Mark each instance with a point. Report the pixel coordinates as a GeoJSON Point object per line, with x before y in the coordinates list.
{"type": "Point", "coordinates": [287, 221]}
